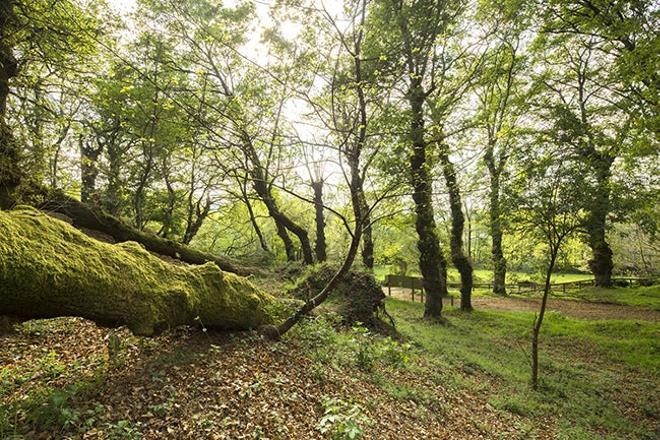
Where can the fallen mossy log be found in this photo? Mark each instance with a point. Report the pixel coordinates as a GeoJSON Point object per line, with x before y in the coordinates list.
{"type": "Point", "coordinates": [85, 216]}
{"type": "Point", "coordinates": [49, 268]}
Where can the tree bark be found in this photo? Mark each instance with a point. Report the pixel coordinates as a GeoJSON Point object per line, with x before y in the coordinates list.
{"type": "Point", "coordinates": [50, 269]}
{"type": "Point", "coordinates": [601, 264]}
{"type": "Point", "coordinates": [495, 220]}
{"type": "Point", "coordinates": [111, 196]}
{"type": "Point", "coordinates": [320, 245]}
{"type": "Point", "coordinates": [284, 223]}
{"type": "Point", "coordinates": [253, 217]}
{"type": "Point", "coordinates": [195, 219]}
{"type": "Point", "coordinates": [88, 169]}
{"type": "Point", "coordinates": [432, 263]}
{"type": "Point", "coordinates": [469, 232]}
{"type": "Point", "coordinates": [10, 172]}
{"type": "Point", "coordinates": [458, 257]}
{"type": "Point", "coordinates": [367, 236]}
{"type": "Point", "coordinates": [93, 218]}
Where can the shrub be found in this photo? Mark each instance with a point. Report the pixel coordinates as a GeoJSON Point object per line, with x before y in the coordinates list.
{"type": "Point", "coordinates": [342, 420]}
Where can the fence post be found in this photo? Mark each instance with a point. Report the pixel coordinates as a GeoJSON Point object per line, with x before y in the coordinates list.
{"type": "Point", "coordinates": [389, 286]}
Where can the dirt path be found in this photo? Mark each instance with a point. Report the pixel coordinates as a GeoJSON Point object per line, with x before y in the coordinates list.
{"type": "Point", "coordinates": [573, 308]}
{"type": "Point", "coordinates": [577, 309]}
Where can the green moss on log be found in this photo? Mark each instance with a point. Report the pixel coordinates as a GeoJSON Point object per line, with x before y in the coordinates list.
{"type": "Point", "coordinates": [48, 268]}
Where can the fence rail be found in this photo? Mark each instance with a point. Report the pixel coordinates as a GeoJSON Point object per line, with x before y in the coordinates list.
{"type": "Point", "coordinates": [415, 284]}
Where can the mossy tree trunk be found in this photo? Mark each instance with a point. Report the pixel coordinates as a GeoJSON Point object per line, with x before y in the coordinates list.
{"type": "Point", "coordinates": [601, 264]}
{"type": "Point", "coordinates": [49, 269]}
{"type": "Point", "coordinates": [432, 263]}
{"type": "Point", "coordinates": [89, 155]}
{"type": "Point", "coordinates": [283, 222]}
{"type": "Point", "coordinates": [458, 257]}
{"type": "Point", "coordinates": [495, 221]}
{"type": "Point", "coordinates": [367, 236]}
{"type": "Point", "coordinates": [263, 188]}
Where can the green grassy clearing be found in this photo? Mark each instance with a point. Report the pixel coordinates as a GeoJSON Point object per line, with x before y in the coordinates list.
{"type": "Point", "coordinates": [590, 370]}
{"type": "Point", "coordinates": [647, 297]}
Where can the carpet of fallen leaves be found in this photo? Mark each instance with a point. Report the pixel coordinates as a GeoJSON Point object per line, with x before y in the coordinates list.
{"type": "Point", "coordinates": [191, 384]}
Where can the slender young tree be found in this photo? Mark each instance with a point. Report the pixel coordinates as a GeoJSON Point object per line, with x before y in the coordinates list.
{"type": "Point", "coordinates": [550, 208]}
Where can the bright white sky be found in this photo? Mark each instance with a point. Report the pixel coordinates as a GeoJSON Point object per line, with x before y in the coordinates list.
{"type": "Point", "coordinates": [122, 5]}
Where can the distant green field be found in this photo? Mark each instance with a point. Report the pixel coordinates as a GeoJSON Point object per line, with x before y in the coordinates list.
{"type": "Point", "coordinates": [647, 297]}
{"type": "Point", "coordinates": [486, 275]}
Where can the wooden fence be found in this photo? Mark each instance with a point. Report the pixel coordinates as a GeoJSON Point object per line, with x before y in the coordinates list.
{"type": "Point", "coordinates": [416, 285]}
{"type": "Point", "coordinates": [413, 283]}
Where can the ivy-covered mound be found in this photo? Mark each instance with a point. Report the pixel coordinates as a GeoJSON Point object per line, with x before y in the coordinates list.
{"type": "Point", "coordinates": [359, 296]}
{"type": "Point", "coordinates": [49, 269]}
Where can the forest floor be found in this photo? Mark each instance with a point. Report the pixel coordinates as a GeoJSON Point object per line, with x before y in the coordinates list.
{"type": "Point", "coordinates": [57, 381]}
{"type": "Point", "coordinates": [464, 379]}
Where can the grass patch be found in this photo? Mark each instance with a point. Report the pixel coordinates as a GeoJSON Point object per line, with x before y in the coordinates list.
{"type": "Point", "coordinates": [52, 409]}
{"type": "Point", "coordinates": [590, 370]}
{"type": "Point", "coordinates": [647, 297]}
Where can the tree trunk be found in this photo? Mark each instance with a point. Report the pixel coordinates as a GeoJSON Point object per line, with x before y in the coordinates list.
{"type": "Point", "coordinates": [461, 262]}
{"type": "Point", "coordinates": [276, 332]}
{"type": "Point", "coordinates": [357, 178]}
{"type": "Point", "coordinates": [499, 262]}
{"type": "Point", "coordinates": [284, 224]}
{"type": "Point", "coordinates": [357, 187]}
{"type": "Point", "coordinates": [194, 222]}
{"type": "Point", "coordinates": [111, 198]}
{"type": "Point", "coordinates": [10, 172]}
{"type": "Point", "coordinates": [469, 232]}
{"type": "Point", "coordinates": [367, 236]}
{"type": "Point", "coordinates": [282, 221]}
{"type": "Point", "coordinates": [50, 269]}
{"type": "Point", "coordinates": [539, 320]}
{"type": "Point", "coordinates": [92, 218]}
{"type": "Point", "coordinates": [138, 197]}
{"type": "Point", "coordinates": [253, 219]}
{"type": "Point", "coordinates": [431, 261]}
{"type": "Point", "coordinates": [167, 221]}
{"type": "Point", "coordinates": [88, 170]}
{"type": "Point", "coordinates": [319, 246]}
{"type": "Point", "coordinates": [601, 262]}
